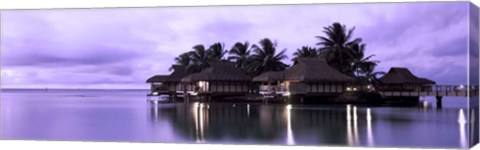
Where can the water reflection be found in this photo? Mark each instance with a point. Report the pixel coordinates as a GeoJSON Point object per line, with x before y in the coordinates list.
{"type": "Point", "coordinates": [155, 112]}
{"type": "Point", "coordinates": [290, 139]}
{"type": "Point", "coordinates": [353, 138]}
{"type": "Point", "coordinates": [248, 110]}
{"type": "Point", "coordinates": [305, 125]}
{"type": "Point", "coordinates": [349, 127]}
{"type": "Point", "coordinates": [355, 126]}
{"type": "Point", "coordinates": [127, 118]}
{"type": "Point", "coordinates": [200, 113]}
{"type": "Point", "coordinates": [369, 128]}
{"type": "Point", "coordinates": [461, 122]}
{"type": "Point", "coordinates": [425, 104]}
{"type": "Point", "coordinates": [472, 126]}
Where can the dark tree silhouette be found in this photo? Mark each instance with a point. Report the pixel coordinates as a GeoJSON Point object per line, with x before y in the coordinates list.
{"type": "Point", "coordinates": [183, 59]}
{"type": "Point", "coordinates": [216, 51]}
{"type": "Point", "coordinates": [199, 59]}
{"type": "Point", "coordinates": [305, 51]}
{"type": "Point", "coordinates": [265, 58]}
{"type": "Point", "coordinates": [364, 67]}
{"type": "Point", "coordinates": [335, 47]}
{"type": "Point", "coordinates": [239, 54]}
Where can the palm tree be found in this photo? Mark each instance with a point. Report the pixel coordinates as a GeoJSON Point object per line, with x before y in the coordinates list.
{"type": "Point", "coordinates": [265, 58]}
{"type": "Point", "coordinates": [239, 53]}
{"type": "Point", "coordinates": [364, 67]}
{"type": "Point", "coordinates": [335, 47]}
{"type": "Point", "coordinates": [183, 59]}
{"type": "Point", "coordinates": [359, 60]}
{"type": "Point", "coordinates": [305, 51]}
{"type": "Point", "coordinates": [368, 74]}
{"type": "Point", "coordinates": [199, 59]}
{"type": "Point", "coordinates": [216, 51]}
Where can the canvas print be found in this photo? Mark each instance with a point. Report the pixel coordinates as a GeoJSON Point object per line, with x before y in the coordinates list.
{"type": "Point", "coordinates": [359, 74]}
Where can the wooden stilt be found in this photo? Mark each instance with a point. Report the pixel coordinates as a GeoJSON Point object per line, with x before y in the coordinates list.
{"type": "Point", "coordinates": [439, 101]}
{"type": "Point", "coordinates": [184, 93]}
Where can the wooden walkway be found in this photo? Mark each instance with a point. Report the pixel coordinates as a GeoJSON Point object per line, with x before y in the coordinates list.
{"type": "Point", "coordinates": [437, 90]}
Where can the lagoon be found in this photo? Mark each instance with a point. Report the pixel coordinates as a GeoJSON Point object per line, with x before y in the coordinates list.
{"type": "Point", "coordinates": [126, 116]}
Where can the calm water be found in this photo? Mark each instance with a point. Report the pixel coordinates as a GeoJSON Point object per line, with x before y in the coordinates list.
{"type": "Point", "coordinates": [125, 116]}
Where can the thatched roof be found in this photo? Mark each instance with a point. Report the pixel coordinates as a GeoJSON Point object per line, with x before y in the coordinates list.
{"type": "Point", "coordinates": [157, 78]}
{"type": "Point", "coordinates": [178, 73]}
{"type": "Point", "coordinates": [314, 70]}
{"type": "Point", "coordinates": [398, 75]}
{"type": "Point", "coordinates": [218, 71]}
{"type": "Point", "coordinates": [270, 76]}
{"type": "Point", "coordinates": [176, 76]}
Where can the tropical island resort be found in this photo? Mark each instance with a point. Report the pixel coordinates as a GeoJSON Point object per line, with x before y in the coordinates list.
{"type": "Point", "coordinates": [337, 71]}
{"type": "Point", "coordinates": [344, 75]}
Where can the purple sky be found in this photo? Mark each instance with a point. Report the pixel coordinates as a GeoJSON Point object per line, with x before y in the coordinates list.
{"type": "Point", "coordinates": [121, 48]}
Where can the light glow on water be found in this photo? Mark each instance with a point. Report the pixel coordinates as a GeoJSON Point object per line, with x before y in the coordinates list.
{"type": "Point", "coordinates": [348, 113]}
{"type": "Point", "coordinates": [195, 118]}
{"type": "Point", "coordinates": [290, 138]}
{"type": "Point", "coordinates": [425, 104]}
{"type": "Point", "coordinates": [202, 123]}
{"type": "Point", "coordinates": [155, 111]}
{"type": "Point", "coordinates": [369, 115]}
{"type": "Point", "coordinates": [352, 134]}
{"type": "Point", "coordinates": [355, 126]}
{"type": "Point", "coordinates": [199, 119]}
{"type": "Point", "coordinates": [369, 128]}
{"type": "Point", "coordinates": [461, 117]}
{"type": "Point", "coordinates": [289, 107]}
{"type": "Point", "coordinates": [195, 105]}
{"type": "Point", "coordinates": [354, 112]}
{"type": "Point", "coordinates": [63, 115]}
{"type": "Point", "coordinates": [349, 127]}
{"type": "Point", "coordinates": [248, 110]}
{"type": "Point", "coordinates": [461, 123]}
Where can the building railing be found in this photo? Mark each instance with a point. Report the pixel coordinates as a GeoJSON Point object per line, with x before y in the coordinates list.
{"type": "Point", "coordinates": [432, 90]}
{"type": "Point", "coordinates": [330, 88]}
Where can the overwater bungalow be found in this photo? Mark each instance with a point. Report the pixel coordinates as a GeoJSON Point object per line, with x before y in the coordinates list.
{"type": "Point", "coordinates": [271, 82]}
{"type": "Point", "coordinates": [158, 84]}
{"type": "Point", "coordinates": [167, 84]}
{"type": "Point", "coordinates": [401, 79]}
{"type": "Point", "coordinates": [308, 76]}
{"type": "Point", "coordinates": [220, 79]}
{"type": "Point", "coordinates": [313, 76]}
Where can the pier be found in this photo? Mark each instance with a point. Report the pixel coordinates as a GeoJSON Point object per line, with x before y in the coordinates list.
{"type": "Point", "coordinates": [437, 91]}
{"type": "Point", "coordinates": [308, 80]}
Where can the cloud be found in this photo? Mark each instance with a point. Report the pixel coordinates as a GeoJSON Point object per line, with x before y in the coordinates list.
{"type": "Point", "coordinates": [125, 46]}
{"type": "Point", "coordinates": [453, 48]}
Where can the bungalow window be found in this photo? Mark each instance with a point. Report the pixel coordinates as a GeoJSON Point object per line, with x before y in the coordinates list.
{"type": "Point", "coordinates": [203, 86]}
{"type": "Point", "coordinates": [214, 87]}
{"type": "Point", "coordinates": [287, 86]}
{"type": "Point", "coordinates": [264, 87]}
{"type": "Point", "coordinates": [282, 86]}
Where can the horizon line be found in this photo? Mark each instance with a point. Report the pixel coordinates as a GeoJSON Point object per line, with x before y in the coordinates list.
{"type": "Point", "coordinates": [73, 89]}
